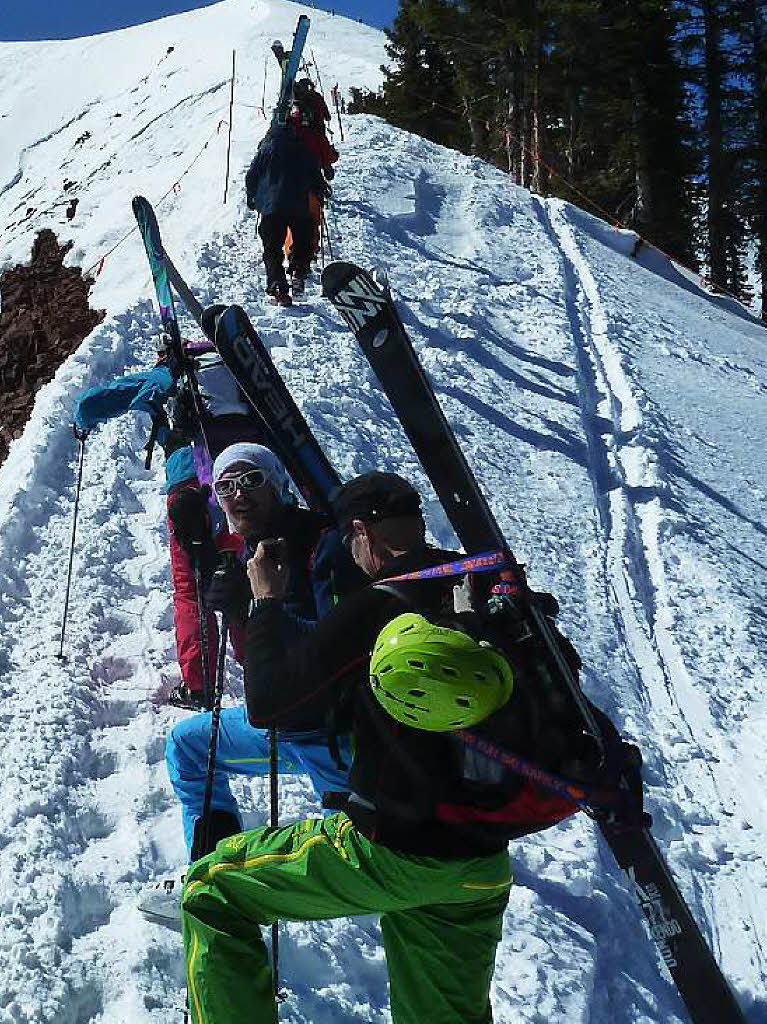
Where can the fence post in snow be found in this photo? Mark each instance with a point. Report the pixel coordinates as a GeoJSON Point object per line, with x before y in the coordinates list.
{"type": "Point", "coordinates": [334, 93]}
{"type": "Point", "coordinates": [229, 139]}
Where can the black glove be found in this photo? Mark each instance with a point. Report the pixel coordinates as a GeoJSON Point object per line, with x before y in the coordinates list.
{"type": "Point", "coordinates": [222, 825]}
{"type": "Point", "coordinates": [251, 201]}
{"type": "Point", "coordinates": [330, 172]}
{"type": "Point", "coordinates": [623, 771]}
{"type": "Point", "coordinates": [323, 190]}
{"type": "Point", "coordinates": [190, 518]}
{"type": "Point", "coordinates": [229, 590]}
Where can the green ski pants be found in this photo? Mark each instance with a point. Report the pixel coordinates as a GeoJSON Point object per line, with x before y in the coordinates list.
{"type": "Point", "coordinates": [441, 919]}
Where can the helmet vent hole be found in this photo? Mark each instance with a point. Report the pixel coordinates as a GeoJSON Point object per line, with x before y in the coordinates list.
{"type": "Point", "coordinates": [449, 671]}
{"type": "Point", "coordinates": [416, 693]}
{"type": "Point", "coordinates": [384, 669]}
{"type": "Point", "coordinates": [416, 664]}
{"type": "Point", "coordinates": [480, 677]}
{"type": "Point", "coordinates": [463, 702]}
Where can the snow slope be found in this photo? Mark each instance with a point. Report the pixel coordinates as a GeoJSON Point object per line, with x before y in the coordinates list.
{"type": "Point", "coordinates": [615, 419]}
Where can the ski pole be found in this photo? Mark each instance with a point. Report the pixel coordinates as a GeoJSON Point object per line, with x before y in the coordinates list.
{"type": "Point", "coordinates": [274, 819]}
{"type": "Point", "coordinates": [210, 773]}
{"type": "Point", "coordinates": [317, 69]}
{"type": "Point", "coordinates": [229, 134]}
{"type": "Point", "coordinates": [213, 742]}
{"type": "Point", "coordinates": [202, 619]}
{"type": "Point", "coordinates": [80, 435]}
{"type": "Point", "coordinates": [327, 235]}
{"type": "Point", "coordinates": [335, 222]}
{"type": "Point", "coordinates": [263, 94]}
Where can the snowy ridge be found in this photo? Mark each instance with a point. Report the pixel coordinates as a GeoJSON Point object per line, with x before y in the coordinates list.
{"type": "Point", "coordinates": [615, 420]}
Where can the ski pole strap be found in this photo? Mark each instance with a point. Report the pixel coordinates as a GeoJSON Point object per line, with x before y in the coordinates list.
{"type": "Point", "coordinates": [489, 561]}
{"type": "Point", "coordinates": [585, 796]}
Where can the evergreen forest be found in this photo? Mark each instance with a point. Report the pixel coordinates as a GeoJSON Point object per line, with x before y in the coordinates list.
{"type": "Point", "coordinates": [649, 113]}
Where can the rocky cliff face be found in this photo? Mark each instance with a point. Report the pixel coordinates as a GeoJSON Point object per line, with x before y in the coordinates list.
{"type": "Point", "coordinates": [44, 316]}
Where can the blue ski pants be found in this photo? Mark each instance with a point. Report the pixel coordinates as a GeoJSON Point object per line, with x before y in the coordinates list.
{"type": "Point", "coordinates": [244, 750]}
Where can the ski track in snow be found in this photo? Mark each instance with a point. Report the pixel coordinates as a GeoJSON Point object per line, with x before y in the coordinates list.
{"type": "Point", "coordinates": [518, 310]}
{"type": "Point", "coordinates": [629, 489]}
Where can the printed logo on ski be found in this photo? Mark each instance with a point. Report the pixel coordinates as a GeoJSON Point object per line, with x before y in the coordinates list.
{"type": "Point", "coordinates": [660, 921]}
{"type": "Point", "coordinates": [359, 302]}
{"type": "Point", "coordinates": [259, 375]}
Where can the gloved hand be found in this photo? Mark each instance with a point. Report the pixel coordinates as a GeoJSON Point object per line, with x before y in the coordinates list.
{"type": "Point", "coordinates": [229, 590]}
{"type": "Point", "coordinates": [191, 523]}
{"type": "Point", "coordinates": [624, 772]}
{"type": "Point", "coordinates": [330, 172]}
{"type": "Point", "coordinates": [251, 201]}
{"type": "Point", "coordinates": [323, 190]}
{"type": "Point", "coordinates": [633, 812]}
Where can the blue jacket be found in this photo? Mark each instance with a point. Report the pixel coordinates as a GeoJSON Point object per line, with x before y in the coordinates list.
{"type": "Point", "coordinates": [136, 392]}
{"type": "Point", "coordinates": [282, 175]}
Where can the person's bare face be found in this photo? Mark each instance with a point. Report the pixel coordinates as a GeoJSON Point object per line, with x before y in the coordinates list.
{"type": "Point", "coordinates": [252, 511]}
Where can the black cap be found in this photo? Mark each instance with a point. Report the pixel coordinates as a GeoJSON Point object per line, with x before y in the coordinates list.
{"type": "Point", "coordinates": [375, 496]}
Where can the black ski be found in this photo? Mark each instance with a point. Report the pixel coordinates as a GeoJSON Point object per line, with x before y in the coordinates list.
{"type": "Point", "coordinates": [248, 360]}
{"type": "Point", "coordinates": [368, 310]}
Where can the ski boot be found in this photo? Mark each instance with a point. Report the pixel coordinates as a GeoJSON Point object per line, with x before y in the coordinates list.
{"type": "Point", "coordinates": [183, 697]}
{"type": "Point", "coordinates": [280, 296]}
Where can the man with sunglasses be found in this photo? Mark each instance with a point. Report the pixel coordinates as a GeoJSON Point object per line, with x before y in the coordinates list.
{"type": "Point", "coordinates": [252, 490]}
{"type": "Point", "coordinates": [440, 890]}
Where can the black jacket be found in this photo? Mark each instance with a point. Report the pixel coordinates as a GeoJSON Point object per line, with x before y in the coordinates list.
{"type": "Point", "coordinates": [282, 175]}
{"type": "Point", "coordinates": [399, 773]}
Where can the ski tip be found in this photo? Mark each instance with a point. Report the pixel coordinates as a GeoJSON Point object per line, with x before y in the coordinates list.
{"type": "Point", "coordinates": [336, 275]}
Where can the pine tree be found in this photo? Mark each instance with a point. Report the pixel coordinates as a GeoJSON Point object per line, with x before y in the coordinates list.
{"type": "Point", "coordinates": [420, 91]}
{"type": "Point", "coordinates": [753, 21]}
{"type": "Point", "coordinates": [591, 88]}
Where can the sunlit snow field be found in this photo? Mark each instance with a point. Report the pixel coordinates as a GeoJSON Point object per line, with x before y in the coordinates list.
{"type": "Point", "coordinates": [615, 416]}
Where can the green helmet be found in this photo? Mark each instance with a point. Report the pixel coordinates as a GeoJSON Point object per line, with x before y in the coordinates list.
{"type": "Point", "coordinates": [434, 678]}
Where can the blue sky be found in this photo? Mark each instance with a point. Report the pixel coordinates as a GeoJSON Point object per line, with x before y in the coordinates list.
{"type": "Point", "coordinates": [59, 19]}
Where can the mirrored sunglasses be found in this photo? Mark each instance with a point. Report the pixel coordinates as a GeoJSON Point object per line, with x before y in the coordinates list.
{"type": "Point", "coordinates": [251, 480]}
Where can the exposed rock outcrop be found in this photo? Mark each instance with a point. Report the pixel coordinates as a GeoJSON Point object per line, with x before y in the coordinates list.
{"type": "Point", "coordinates": [44, 316]}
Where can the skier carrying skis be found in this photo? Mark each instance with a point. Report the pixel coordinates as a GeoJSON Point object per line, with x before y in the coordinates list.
{"type": "Point", "coordinates": [310, 130]}
{"type": "Point", "coordinates": [253, 490]}
{"type": "Point", "coordinates": [190, 435]}
{"type": "Point", "coordinates": [281, 179]}
{"type": "Point", "coordinates": [310, 105]}
{"type": "Point", "coordinates": [417, 843]}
